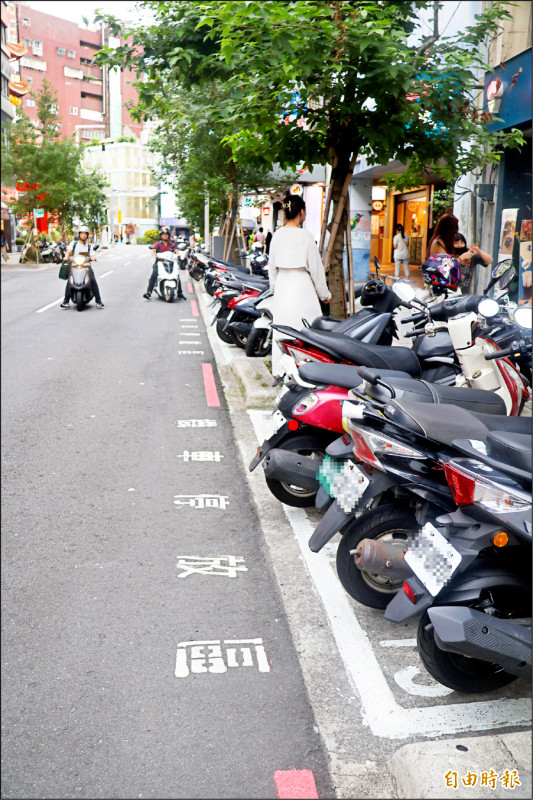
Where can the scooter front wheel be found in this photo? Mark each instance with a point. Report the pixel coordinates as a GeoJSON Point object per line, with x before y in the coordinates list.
{"type": "Point", "coordinates": [79, 301]}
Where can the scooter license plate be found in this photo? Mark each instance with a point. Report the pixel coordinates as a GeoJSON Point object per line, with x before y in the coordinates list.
{"type": "Point", "coordinates": [432, 558]}
{"type": "Point", "coordinates": [277, 421]}
{"type": "Point", "coordinates": [343, 481]}
{"type": "Point", "coordinates": [171, 283]}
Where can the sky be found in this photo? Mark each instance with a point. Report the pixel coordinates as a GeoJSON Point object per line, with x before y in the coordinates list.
{"type": "Point", "coordinates": [74, 10]}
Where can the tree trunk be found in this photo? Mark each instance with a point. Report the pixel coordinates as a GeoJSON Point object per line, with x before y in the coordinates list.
{"type": "Point", "coordinates": [336, 271]}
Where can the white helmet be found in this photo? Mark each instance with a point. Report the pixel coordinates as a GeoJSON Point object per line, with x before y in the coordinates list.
{"type": "Point", "coordinates": [84, 229]}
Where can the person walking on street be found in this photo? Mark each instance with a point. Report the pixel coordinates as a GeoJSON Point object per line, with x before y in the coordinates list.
{"type": "Point", "coordinates": [4, 246]}
{"type": "Point", "coordinates": [400, 244]}
{"type": "Point", "coordinates": [164, 245]}
{"type": "Point", "coordinates": [81, 246]}
{"type": "Point", "coordinates": [267, 242]}
{"type": "Point", "coordinates": [296, 274]}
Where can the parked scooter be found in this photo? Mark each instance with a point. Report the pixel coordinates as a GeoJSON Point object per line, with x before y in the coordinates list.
{"type": "Point", "coordinates": [183, 254]}
{"type": "Point", "coordinates": [259, 339]}
{"type": "Point", "coordinates": [396, 471]}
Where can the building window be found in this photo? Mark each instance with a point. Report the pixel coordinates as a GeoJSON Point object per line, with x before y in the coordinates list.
{"type": "Point", "coordinates": [71, 54]}
{"type": "Point", "coordinates": [37, 48]}
{"type": "Point", "coordinates": [26, 42]}
{"type": "Point", "coordinates": [54, 108]}
{"type": "Point", "coordinates": [88, 133]}
{"type": "Point", "coordinates": [30, 103]}
{"type": "Point", "coordinates": [61, 51]}
{"type": "Point", "coordinates": [74, 110]}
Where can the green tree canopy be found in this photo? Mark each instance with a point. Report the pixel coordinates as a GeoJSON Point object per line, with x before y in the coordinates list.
{"type": "Point", "coordinates": [324, 82]}
{"type": "Point", "coordinates": [50, 167]}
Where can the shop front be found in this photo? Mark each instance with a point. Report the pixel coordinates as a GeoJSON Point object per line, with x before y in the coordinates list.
{"type": "Point", "coordinates": [412, 210]}
{"type": "Point", "coordinates": [508, 98]}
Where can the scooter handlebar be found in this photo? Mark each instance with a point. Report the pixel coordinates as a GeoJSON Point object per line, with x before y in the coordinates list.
{"type": "Point", "coordinates": [413, 318]}
{"type": "Point", "coordinates": [412, 334]}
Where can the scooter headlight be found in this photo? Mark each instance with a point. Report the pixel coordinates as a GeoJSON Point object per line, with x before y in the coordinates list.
{"type": "Point", "coordinates": [308, 402]}
{"type": "Point", "coordinates": [522, 317]}
{"type": "Point", "coordinates": [488, 308]}
{"type": "Point", "coordinates": [79, 260]}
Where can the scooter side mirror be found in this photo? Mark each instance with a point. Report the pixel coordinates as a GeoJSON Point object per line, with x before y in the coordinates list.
{"type": "Point", "coordinates": [404, 291]}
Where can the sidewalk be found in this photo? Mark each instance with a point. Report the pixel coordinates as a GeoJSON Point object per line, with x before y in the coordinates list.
{"type": "Point", "coordinates": [417, 770]}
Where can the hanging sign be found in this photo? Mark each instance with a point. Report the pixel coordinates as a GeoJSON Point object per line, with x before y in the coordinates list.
{"type": "Point", "coordinates": [296, 189]}
{"type": "Point", "coordinates": [266, 211]}
{"type": "Point", "coordinates": [38, 213]}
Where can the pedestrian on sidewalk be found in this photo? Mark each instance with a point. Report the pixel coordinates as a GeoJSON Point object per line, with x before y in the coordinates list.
{"type": "Point", "coordinates": [267, 242]}
{"type": "Point", "coordinates": [400, 244]}
{"type": "Point", "coordinates": [261, 238]}
{"type": "Point", "coordinates": [296, 273]}
{"type": "Point", "coordinates": [4, 246]}
{"type": "Point", "coordinates": [469, 258]}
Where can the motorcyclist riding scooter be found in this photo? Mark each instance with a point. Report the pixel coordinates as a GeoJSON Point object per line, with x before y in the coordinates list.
{"type": "Point", "coordinates": [81, 246]}
{"type": "Point", "coordinates": [162, 246]}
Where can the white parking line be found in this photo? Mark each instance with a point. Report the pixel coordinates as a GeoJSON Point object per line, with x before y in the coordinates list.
{"type": "Point", "coordinates": [381, 712]}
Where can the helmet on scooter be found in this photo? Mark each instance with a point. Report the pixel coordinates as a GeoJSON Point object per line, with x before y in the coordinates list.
{"type": "Point", "coordinates": [442, 272]}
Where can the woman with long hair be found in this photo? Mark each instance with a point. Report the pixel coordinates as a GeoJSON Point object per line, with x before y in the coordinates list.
{"type": "Point", "coordinates": [400, 244]}
{"type": "Point", "coordinates": [296, 273]}
{"type": "Point", "coordinates": [443, 239]}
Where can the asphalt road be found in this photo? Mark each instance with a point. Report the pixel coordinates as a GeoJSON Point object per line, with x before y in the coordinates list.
{"type": "Point", "coordinates": [98, 698]}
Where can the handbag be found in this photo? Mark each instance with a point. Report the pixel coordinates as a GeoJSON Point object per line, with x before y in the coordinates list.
{"type": "Point", "coordinates": [63, 271]}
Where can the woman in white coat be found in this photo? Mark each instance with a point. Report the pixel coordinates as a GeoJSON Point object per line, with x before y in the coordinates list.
{"type": "Point", "coordinates": [296, 273]}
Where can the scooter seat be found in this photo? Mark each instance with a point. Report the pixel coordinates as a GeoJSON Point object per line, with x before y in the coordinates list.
{"type": "Point", "coordinates": [343, 375]}
{"type": "Point", "coordinates": [325, 323]}
{"type": "Point", "coordinates": [511, 448]}
{"type": "Point", "coordinates": [365, 354]}
{"type": "Point", "coordinates": [418, 391]}
{"type": "Point", "coordinates": [451, 422]}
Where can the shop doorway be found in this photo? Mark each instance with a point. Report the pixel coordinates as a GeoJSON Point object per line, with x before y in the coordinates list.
{"type": "Point", "coordinates": [412, 212]}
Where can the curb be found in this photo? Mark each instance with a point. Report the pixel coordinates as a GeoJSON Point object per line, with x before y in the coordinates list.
{"type": "Point", "coordinates": [420, 769]}
{"type": "Point", "coordinates": [253, 377]}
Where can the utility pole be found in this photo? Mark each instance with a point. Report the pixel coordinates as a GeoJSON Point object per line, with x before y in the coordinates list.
{"type": "Point", "coordinates": [206, 221]}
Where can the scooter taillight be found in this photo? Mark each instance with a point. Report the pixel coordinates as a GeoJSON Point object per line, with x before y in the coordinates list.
{"type": "Point", "coordinates": [302, 355]}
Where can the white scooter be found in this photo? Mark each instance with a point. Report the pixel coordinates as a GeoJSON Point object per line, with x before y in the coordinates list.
{"type": "Point", "coordinates": [183, 255]}
{"type": "Point", "coordinates": [168, 284]}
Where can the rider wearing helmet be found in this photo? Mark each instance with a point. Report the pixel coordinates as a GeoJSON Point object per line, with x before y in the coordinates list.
{"type": "Point", "coordinates": [81, 246]}
{"type": "Point", "coordinates": [164, 245]}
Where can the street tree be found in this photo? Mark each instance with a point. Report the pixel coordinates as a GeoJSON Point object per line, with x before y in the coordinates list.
{"type": "Point", "coordinates": [326, 82]}
{"type": "Point", "coordinates": [48, 167]}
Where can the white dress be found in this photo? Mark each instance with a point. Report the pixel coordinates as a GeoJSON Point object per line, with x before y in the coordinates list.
{"type": "Point", "coordinates": [297, 280]}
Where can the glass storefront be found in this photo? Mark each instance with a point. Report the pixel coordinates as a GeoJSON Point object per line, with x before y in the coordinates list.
{"type": "Point", "coordinates": [411, 211]}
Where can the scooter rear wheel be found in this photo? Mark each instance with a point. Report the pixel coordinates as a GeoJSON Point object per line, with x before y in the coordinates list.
{"type": "Point", "coordinates": [459, 672]}
{"type": "Point", "coordinates": [306, 445]}
{"type": "Point", "coordinates": [259, 343]}
{"type": "Point", "coordinates": [222, 334]}
{"type": "Point", "coordinates": [385, 523]}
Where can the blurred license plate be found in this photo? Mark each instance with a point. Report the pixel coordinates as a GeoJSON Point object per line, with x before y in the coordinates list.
{"type": "Point", "coordinates": [432, 558]}
{"type": "Point", "coordinates": [343, 481]}
{"type": "Point", "coordinates": [277, 421]}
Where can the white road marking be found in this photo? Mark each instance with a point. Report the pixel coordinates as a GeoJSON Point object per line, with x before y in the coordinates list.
{"type": "Point", "coordinates": [107, 273]}
{"type": "Point", "coordinates": [188, 319]}
{"type": "Point", "coordinates": [45, 308]}
{"type": "Point", "coordinates": [196, 423]}
{"type": "Point", "coordinates": [208, 656]}
{"type": "Point", "coordinates": [201, 455]}
{"type": "Point", "coordinates": [382, 713]}
{"type": "Point", "coordinates": [219, 501]}
{"type": "Point", "coordinates": [186, 333]}
{"type": "Point", "coordinates": [226, 566]}
{"type": "Point", "coordinates": [405, 680]}
{"type": "Point", "coordinates": [398, 643]}
{"type": "Point", "coordinates": [190, 341]}
{"type": "Point", "coordinates": [190, 352]}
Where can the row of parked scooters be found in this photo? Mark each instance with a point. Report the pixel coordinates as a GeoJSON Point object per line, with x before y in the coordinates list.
{"type": "Point", "coordinates": [433, 505]}
{"type": "Point", "coordinates": [241, 294]}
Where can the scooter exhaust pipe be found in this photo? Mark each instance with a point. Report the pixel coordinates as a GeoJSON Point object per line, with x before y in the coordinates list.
{"type": "Point", "coordinates": [382, 559]}
{"type": "Point", "coordinates": [287, 467]}
{"type": "Point", "coordinates": [505, 642]}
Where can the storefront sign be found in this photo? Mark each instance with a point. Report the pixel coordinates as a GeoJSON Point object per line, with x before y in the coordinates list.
{"type": "Point", "coordinates": [38, 213]}
{"type": "Point", "coordinates": [508, 92]}
{"type": "Point", "coordinates": [266, 211]}
{"type": "Point", "coordinates": [507, 232]}
{"type": "Point", "coordinates": [525, 278]}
